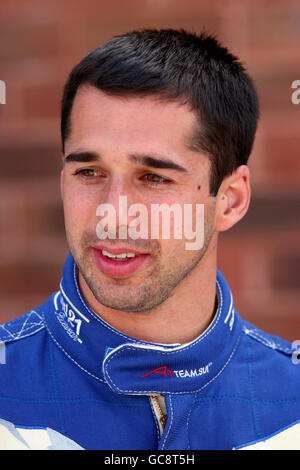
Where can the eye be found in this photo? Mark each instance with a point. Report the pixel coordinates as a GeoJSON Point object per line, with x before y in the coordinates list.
{"type": "Point", "coordinates": [154, 179]}
{"type": "Point", "coordinates": [88, 173]}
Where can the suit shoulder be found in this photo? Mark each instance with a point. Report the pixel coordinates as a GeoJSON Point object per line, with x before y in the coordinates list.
{"type": "Point", "coordinates": [25, 325]}
{"type": "Point", "coordinates": [269, 340]}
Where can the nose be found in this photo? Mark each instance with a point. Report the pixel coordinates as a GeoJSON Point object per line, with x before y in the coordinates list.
{"type": "Point", "coordinates": [115, 205]}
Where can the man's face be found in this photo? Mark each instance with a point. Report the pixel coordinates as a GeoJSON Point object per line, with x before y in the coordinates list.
{"type": "Point", "coordinates": [136, 147]}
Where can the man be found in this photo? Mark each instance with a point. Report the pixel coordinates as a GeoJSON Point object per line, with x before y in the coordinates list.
{"type": "Point", "coordinates": [141, 347]}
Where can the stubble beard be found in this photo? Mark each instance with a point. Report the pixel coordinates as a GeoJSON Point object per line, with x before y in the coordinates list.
{"type": "Point", "coordinates": [157, 287]}
{"type": "Point", "coordinates": [149, 292]}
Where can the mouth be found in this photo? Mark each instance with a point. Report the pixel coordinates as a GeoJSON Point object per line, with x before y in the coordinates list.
{"type": "Point", "coordinates": [119, 262]}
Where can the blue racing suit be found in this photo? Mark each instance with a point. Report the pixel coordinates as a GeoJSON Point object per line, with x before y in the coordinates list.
{"type": "Point", "coordinates": [68, 380]}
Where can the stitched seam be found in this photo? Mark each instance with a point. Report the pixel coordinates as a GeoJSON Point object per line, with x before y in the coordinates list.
{"type": "Point", "coordinates": [22, 328]}
{"type": "Point", "coordinates": [71, 359]}
{"type": "Point", "coordinates": [225, 365]}
{"type": "Point", "coordinates": [12, 336]}
{"type": "Point", "coordinates": [72, 401]}
{"type": "Point", "coordinates": [278, 402]}
{"type": "Point", "coordinates": [265, 341]}
{"type": "Point", "coordinates": [24, 400]}
{"type": "Point", "coordinates": [97, 318]}
{"type": "Point", "coordinates": [174, 393]}
{"type": "Point", "coordinates": [178, 350]}
{"type": "Point", "coordinates": [247, 400]}
{"type": "Point", "coordinates": [198, 401]}
{"type": "Point", "coordinates": [26, 321]}
{"type": "Point", "coordinates": [269, 436]}
{"type": "Point", "coordinates": [15, 334]}
{"type": "Point", "coordinates": [188, 420]}
{"type": "Point", "coordinates": [170, 425]}
{"type": "Point", "coordinates": [59, 411]}
{"type": "Point", "coordinates": [250, 370]}
{"type": "Point", "coordinates": [9, 338]}
{"type": "Point", "coordinates": [75, 401]}
{"type": "Point", "coordinates": [155, 420]}
{"type": "Point", "coordinates": [17, 330]}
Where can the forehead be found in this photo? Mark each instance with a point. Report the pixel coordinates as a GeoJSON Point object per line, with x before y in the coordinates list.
{"type": "Point", "coordinates": [127, 121]}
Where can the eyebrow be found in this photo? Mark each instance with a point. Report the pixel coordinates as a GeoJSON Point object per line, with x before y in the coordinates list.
{"type": "Point", "coordinates": [84, 157]}
{"type": "Point", "coordinates": [154, 162]}
{"type": "Point", "coordinates": [146, 160]}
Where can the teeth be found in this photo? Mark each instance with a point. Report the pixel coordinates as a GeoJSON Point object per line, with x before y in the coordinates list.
{"type": "Point", "coordinates": [121, 256]}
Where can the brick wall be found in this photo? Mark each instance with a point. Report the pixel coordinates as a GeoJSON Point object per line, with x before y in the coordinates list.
{"type": "Point", "coordinates": [42, 40]}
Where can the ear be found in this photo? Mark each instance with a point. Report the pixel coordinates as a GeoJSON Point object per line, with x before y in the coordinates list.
{"type": "Point", "coordinates": [233, 198]}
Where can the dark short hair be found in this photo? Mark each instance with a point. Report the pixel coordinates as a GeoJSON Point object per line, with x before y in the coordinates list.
{"type": "Point", "coordinates": [178, 65]}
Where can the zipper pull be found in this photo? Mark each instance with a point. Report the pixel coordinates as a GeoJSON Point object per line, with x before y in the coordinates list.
{"type": "Point", "coordinates": [163, 420]}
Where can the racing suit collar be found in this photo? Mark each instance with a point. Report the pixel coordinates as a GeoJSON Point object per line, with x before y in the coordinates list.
{"type": "Point", "coordinates": [131, 366]}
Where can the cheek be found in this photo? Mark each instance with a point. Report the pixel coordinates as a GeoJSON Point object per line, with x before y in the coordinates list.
{"type": "Point", "coordinates": [79, 209]}
{"type": "Point", "coordinates": [196, 227]}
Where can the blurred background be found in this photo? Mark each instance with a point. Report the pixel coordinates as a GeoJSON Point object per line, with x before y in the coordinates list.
{"type": "Point", "coordinates": [41, 40]}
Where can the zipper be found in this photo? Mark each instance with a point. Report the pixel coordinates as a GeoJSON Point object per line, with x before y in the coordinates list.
{"type": "Point", "coordinates": [160, 411]}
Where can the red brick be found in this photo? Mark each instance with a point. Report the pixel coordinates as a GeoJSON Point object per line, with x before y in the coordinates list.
{"type": "Point", "coordinates": [281, 157]}
{"type": "Point", "coordinates": [42, 101]}
{"type": "Point", "coordinates": [27, 163]}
